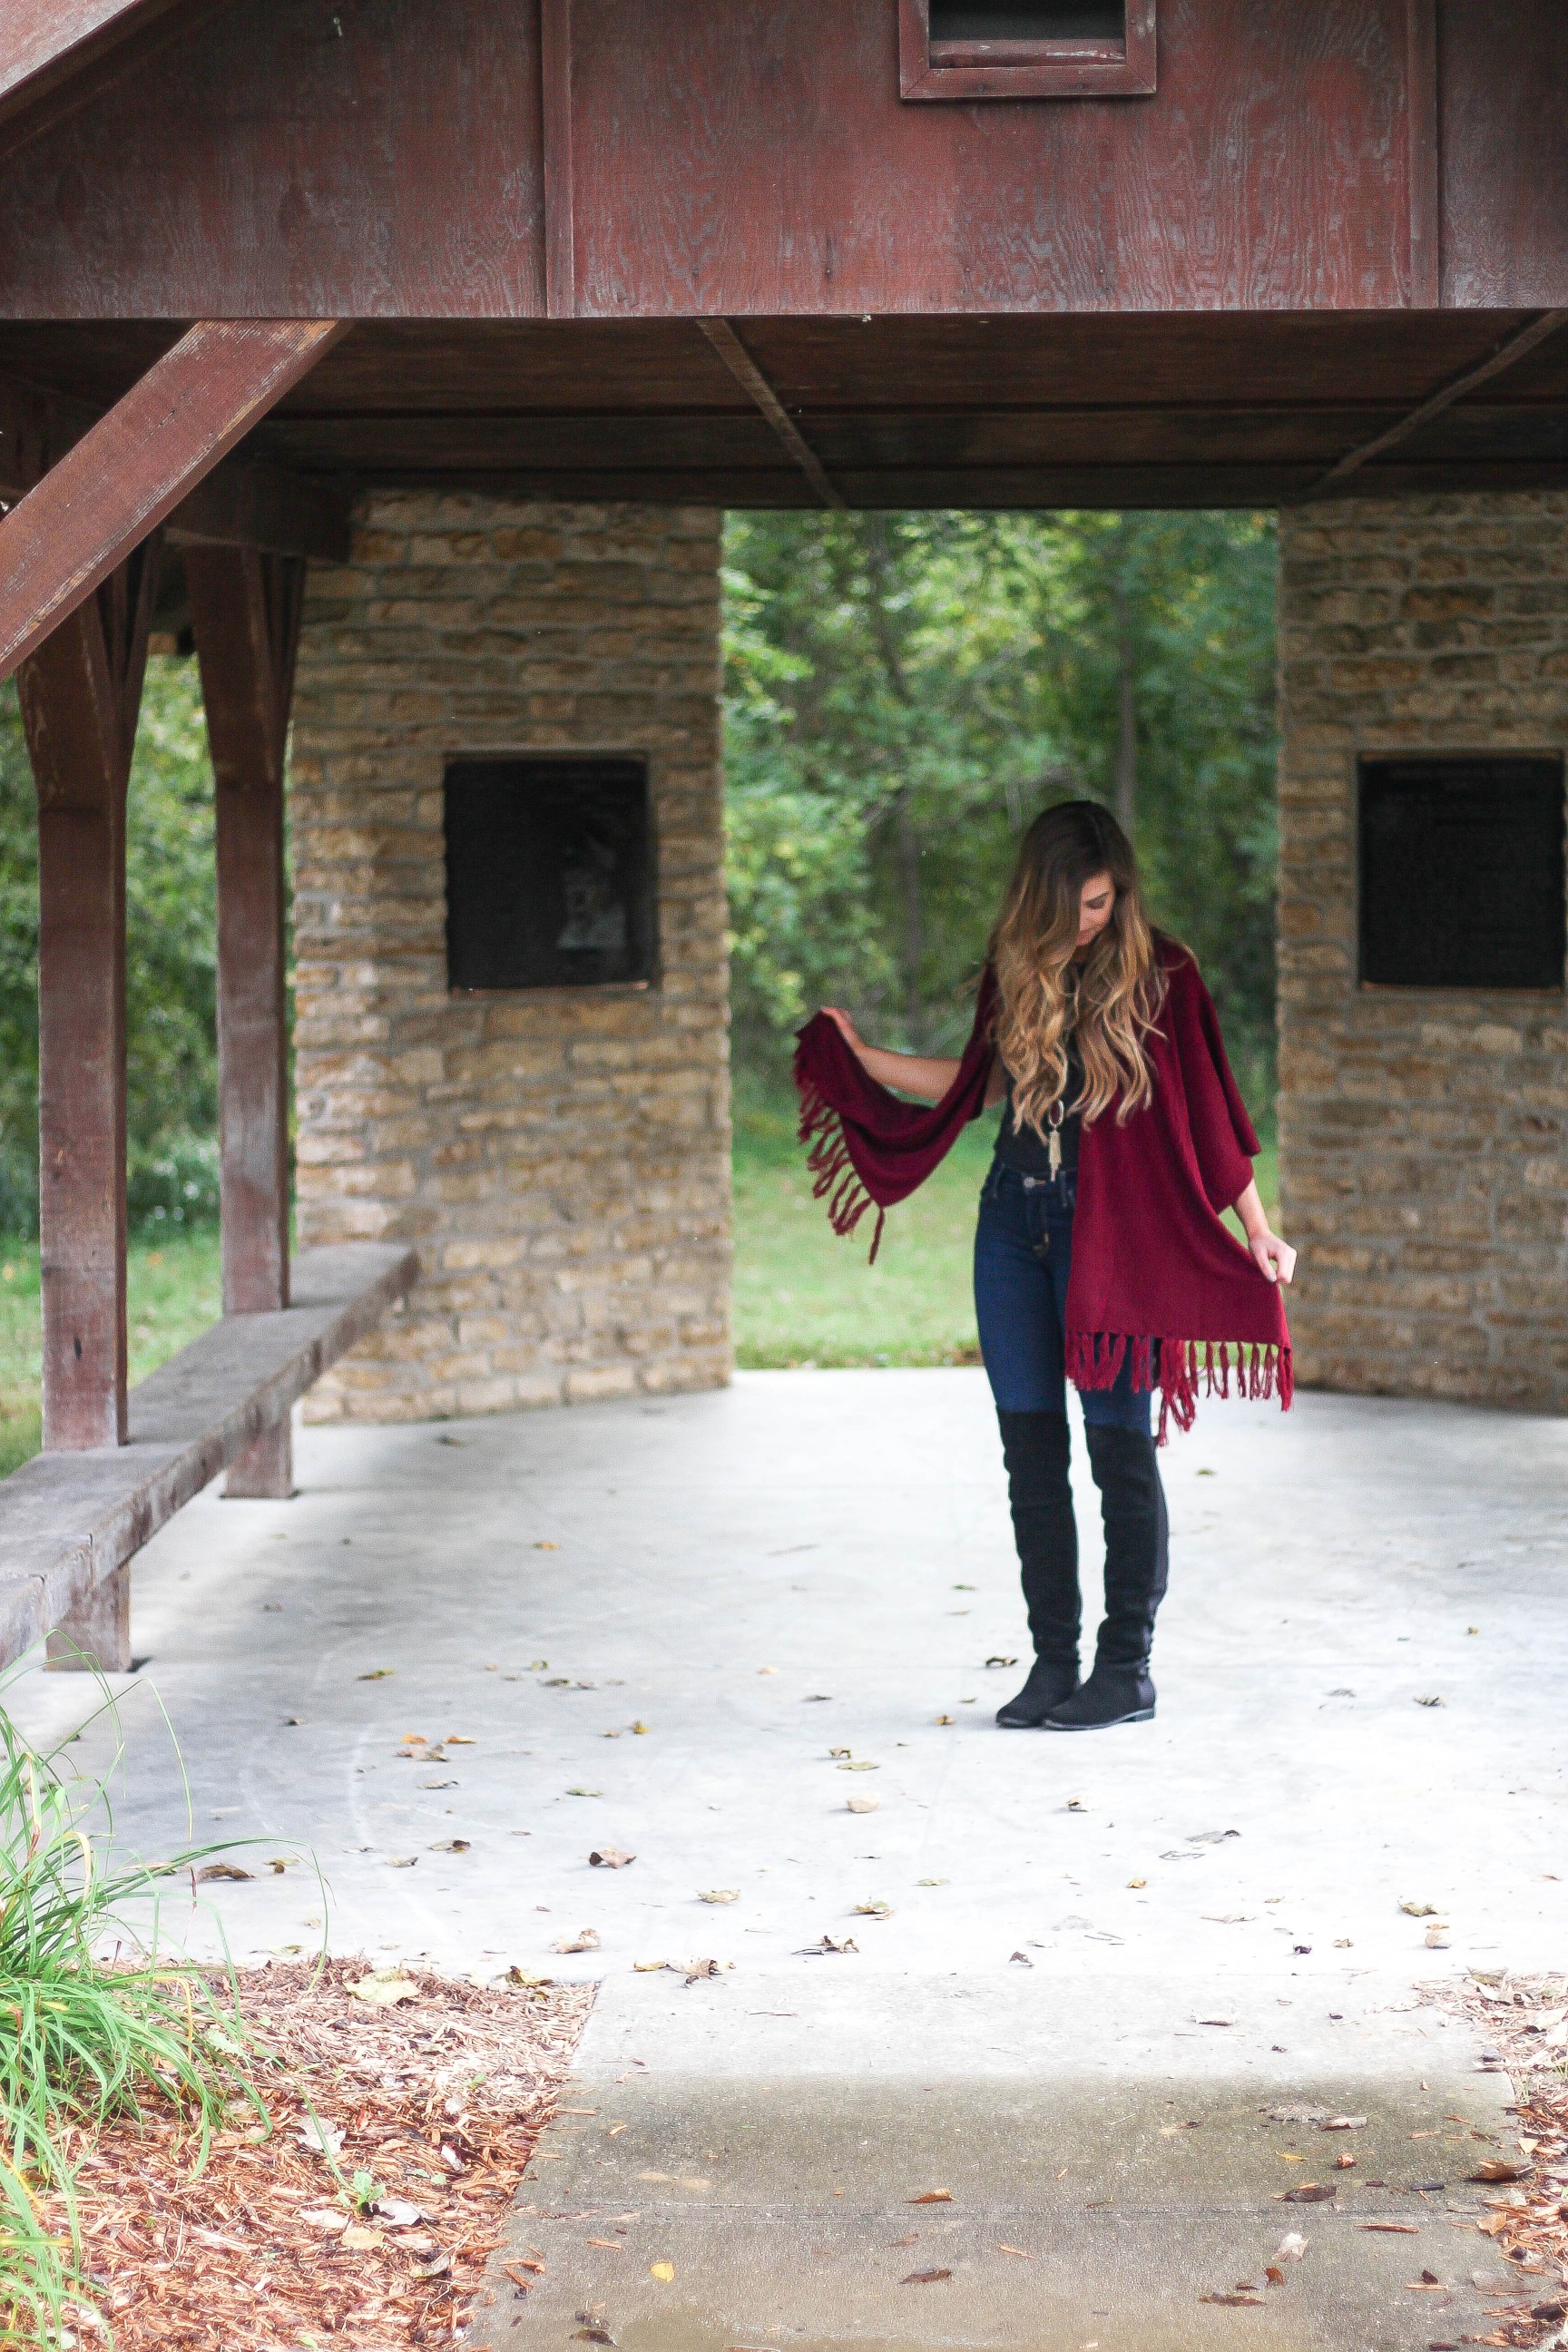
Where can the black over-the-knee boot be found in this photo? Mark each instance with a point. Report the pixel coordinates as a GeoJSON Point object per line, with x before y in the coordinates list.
{"type": "Point", "coordinates": [1137, 1566]}
{"type": "Point", "coordinates": [1035, 1448]}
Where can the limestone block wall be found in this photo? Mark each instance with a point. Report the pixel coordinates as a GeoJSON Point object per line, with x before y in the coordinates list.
{"type": "Point", "coordinates": [560, 1157]}
{"type": "Point", "coordinates": [1424, 1169]}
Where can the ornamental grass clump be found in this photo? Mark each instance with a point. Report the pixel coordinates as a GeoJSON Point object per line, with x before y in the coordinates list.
{"type": "Point", "coordinates": [97, 2025]}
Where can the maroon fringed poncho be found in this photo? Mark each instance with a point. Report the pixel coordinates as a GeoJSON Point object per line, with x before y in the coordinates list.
{"type": "Point", "coordinates": [1153, 1267]}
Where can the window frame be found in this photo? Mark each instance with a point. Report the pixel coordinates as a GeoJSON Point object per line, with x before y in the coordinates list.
{"type": "Point", "coordinates": [1043, 68]}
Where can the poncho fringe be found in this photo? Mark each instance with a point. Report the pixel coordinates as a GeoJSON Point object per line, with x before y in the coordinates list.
{"type": "Point", "coordinates": [1150, 1244]}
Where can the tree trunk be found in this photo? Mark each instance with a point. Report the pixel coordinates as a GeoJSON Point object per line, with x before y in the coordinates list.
{"type": "Point", "coordinates": [1125, 772]}
{"type": "Point", "coordinates": [877, 564]}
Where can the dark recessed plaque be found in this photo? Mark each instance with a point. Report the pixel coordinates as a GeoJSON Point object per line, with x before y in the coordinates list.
{"type": "Point", "coordinates": [550, 873]}
{"type": "Point", "coordinates": [1028, 20]}
{"type": "Point", "coordinates": [1462, 872]}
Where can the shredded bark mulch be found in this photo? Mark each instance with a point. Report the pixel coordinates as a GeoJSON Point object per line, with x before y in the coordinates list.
{"type": "Point", "coordinates": [1522, 2023]}
{"type": "Point", "coordinates": [440, 2099]}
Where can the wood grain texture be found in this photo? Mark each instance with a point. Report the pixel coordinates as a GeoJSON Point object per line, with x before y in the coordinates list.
{"type": "Point", "coordinates": [241, 503]}
{"type": "Point", "coordinates": [245, 611]}
{"type": "Point", "coordinates": [135, 465]}
{"type": "Point", "coordinates": [68, 1522]}
{"type": "Point", "coordinates": [292, 160]}
{"type": "Point", "coordinates": [1504, 106]}
{"type": "Point", "coordinates": [734, 161]}
{"type": "Point", "coordinates": [56, 56]}
{"type": "Point", "coordinates": [555, 133]}
{"type": "Point", "coordinates": [80, 695]}
{"type": "Point", "coordinates": [1424, 163]}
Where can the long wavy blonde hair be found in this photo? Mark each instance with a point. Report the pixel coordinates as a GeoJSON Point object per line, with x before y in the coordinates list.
{"type": "Point", "coordinates": [1109, 1002]}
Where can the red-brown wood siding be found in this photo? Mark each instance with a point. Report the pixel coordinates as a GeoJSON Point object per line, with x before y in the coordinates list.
{"type": "Point", "coordinates": [275, 166]}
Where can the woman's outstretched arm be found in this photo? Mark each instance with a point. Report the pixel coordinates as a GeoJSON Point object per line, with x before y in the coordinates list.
{"type": "Point", "coordinates": [927, 1076]}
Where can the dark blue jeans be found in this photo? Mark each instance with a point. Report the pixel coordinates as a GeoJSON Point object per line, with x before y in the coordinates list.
{"type": "Point", "coordinates": [1023, 1255]}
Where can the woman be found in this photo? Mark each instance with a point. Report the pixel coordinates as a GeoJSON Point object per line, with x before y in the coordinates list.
{"type": "Point", "coordinates": [1100, 1258]}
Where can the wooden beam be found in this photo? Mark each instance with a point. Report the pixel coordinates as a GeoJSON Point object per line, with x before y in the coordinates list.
{"type": "Point", "coordinates": [57, 55]}
{"type": "Point", "coordinates": [243, 502]}
{"type": "Point", "coordinates": [129, 472]}
{"type": "Point", "coordinates": [560, 235]}
{"type": "Point", "coordinates": [1512, 349]}
{"type": "Point", "coordinates": [246, 609]}
{"type": "Point", "coordinates": [79, 694]}
{"type": "Point", "coordinates": [748, 376]}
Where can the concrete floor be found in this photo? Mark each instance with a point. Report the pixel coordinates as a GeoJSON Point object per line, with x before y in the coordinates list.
{"type": "Point", "coordinates": [820, 1561]}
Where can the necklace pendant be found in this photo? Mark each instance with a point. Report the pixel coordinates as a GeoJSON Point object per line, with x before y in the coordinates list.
{"type": "Point", "coordinates": [1054, 1153]}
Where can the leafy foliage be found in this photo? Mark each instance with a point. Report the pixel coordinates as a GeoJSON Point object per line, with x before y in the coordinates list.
{"type": "Point", "coordinates": [906, 691]}
{"type": "Point", "coordinates": [88, 2040]}
{"type": "Point", "coordinates": [170, 962]}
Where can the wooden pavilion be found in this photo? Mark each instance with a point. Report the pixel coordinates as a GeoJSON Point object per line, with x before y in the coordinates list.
{"type": "Point", "coordinates": [312, 312]}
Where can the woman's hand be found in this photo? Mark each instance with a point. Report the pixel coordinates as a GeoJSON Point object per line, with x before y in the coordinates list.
{"type": "Point", "coordinates": [1275, 1259]}
{"type": "Point", "coordinates": [847, 1030]}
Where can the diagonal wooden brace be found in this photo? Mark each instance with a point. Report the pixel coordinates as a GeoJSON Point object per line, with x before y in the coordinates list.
{"type": "Point", "coordinates": [125, 476]}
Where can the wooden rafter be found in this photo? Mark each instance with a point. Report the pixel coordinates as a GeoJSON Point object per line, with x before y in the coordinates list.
{"type": "Point", "coordinates": [57, 55]}
{"type": "Point", "coordinates": [1512, 349]}
{"type": "Point", "coordinates": [751, 380]}
{"type": "Point", "coordinates": [139, 462]}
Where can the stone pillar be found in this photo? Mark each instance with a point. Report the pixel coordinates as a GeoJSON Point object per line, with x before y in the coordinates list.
{"type": "Point", "coordinates": [561, 1155]}
{"type": "Point", "coordinates": [1423, 1162]}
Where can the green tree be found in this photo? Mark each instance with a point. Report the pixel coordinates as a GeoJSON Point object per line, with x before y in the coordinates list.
{"type": "Point", "coordinates": [904, 692]}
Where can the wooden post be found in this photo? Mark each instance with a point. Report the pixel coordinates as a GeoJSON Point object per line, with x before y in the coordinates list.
{"type": "Point", "coordinates": [244, 607]}
{"type": "Point", "coordinates": [80, 693]}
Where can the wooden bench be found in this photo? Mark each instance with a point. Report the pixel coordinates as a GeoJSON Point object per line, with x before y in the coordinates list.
{"type": "Point", "coordinates": [71, 1522]}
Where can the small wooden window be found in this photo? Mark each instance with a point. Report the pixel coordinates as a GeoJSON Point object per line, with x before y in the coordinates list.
{"type": "Point", "coordinates": [550, 873]}
{"type": "Point", "coordinates": [1462, 878]}
{"type": "Point", "coordinates": [1025, 48]}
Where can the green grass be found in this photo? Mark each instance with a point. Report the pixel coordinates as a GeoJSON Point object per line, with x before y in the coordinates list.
{"type": "Point", "coordinates": [175, 1291]}
{"type": "Point", "coordinates": [805, 1296]}
{"type": "Point", "coordinates": [802, 1295]}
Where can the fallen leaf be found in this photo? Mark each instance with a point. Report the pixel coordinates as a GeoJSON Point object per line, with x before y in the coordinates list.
{"type": "Point", "coordinates": [1419, 1910]}
{"type": "Point", "coordinates": [767, 1670]}
{"type": "Point", "coordinates": [1345, 2163]}
{"type": "Point", "coordinates": [460, 1739]}
{"type": "Point", "coordinates": [589, 2335]}
{"type": "Point", "coordinates": [526, 1977]}
{"type": "Point", "coordinates": [663, 2271]}
{"type": "Point", "coordinates": [1137, 1881]}
{"type": "Point", "coordinates": [931, 2197]}
{"type": "Point", "coordinates": [719, 1894]}
{"type": "Point", "coordinates": [401, 1861]}
{"type": "Point", "coordinates": [398, 2212]}
{"type": "Point", "coordinates": [1342, 2123]}
{"type": "Point", "coordinates": [586, 1939]}
{"type": "Point", "coordinates": [584, 1792]}
{"type": "Point", "coordinates": [859, 1764]}
{"type": "Point", "coordinates": [1436, 1939]}
{"type": "Point", "coordinates": [927, 1882]}
{"type": "Point", "coordinates": [1498, 2168]}
{"type": "Point", "coordinates": [221, 1870]}
{"type": "Point", "coordinates": [1291, 2248]}
{"type": "Point", "coordinates": [383, 1992]}
{"type": "Point", "coordinates": [1392, 2229]}
{"type": "Point", "coordinates": [874, 1910]}
{"type": "Point", "coordinates": [829, 1944]}
{"type": "Point", "coordinates": [924, 2278]}
{"type": "Point", "coordinates": [695, 1970]}
{"type": "Point", "coordinates": [947, 1719]}
{"type": "Point", "coordinates": [330, 2218]}
{"type": "Point", "coordinates": [544, 1545]}
{"type": "Point", "coordinates": [866, 1804]}
{"type": "Point", "coordinates": [1023, 2257]}
{"type": "Point", "coordinates": [320, 2138]}
{"type": "Point", "coordinates": [1242, 2301]}
{"type": "Point", "coordinates": [537, 1666]}
{"type": "Point", "coordinates": [639, 1728]}
{"type": "Point", "coordinates": [1022, 1957]}
{"type": "Point", "coordinates": [281, 1862]}
{"type": "Point", "coordinates": [610, 1857]}
{"type": "Point", "coordinates": [377, 1674]}
{"type": "Point", "coordinates": [1001, 1661]}
{"type": "Point", "coordinates": [1214, 2021]}
{"type": "Point", "coordinates": [1433, 1700]}
{"type": "Point", "coordinates": [1311, 2192]}
{"type": "Point", "coordinates": [649, 1967]}
{"type": "Point", "coordinates": [611, 2245]}
{"type": "Point", "coordinates": [360, 2240]}
{"type": "Point", "coordinates": [452, 1845]}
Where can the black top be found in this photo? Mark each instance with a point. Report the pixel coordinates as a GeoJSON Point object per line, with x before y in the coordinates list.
{"type": "Point", "coordinates": [1021, 1149]}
